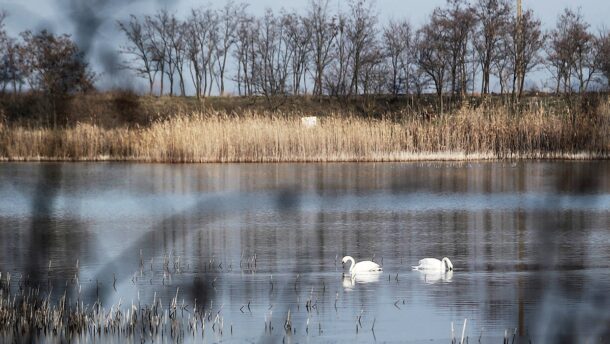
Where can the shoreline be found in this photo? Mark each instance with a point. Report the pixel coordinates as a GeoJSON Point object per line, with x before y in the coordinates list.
{"type": "Point", "coordinates": [404, 158]}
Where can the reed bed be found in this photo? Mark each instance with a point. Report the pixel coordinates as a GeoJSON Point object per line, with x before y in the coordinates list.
{"type": "Point", "coordinates": [32, 316]}
{"type": "Point", "coordinates": [467, 134]}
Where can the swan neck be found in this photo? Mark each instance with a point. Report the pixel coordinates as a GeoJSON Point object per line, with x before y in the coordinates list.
{"type": "Point", "coordinates": [446, 264]}
{"type": "Point", "coordinates": [353, 262]}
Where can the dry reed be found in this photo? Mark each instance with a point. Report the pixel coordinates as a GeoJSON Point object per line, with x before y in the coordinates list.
{"type": "Point", "coordinates": [260, 137]}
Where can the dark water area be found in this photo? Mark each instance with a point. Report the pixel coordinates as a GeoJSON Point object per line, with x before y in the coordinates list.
{"type": "Point", "coordinates": [530, 243]}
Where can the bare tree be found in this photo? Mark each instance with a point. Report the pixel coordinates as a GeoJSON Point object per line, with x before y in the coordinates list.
{"type": "Point", "coordinates": [336, 78]}
{"type": "Point", "coordinates": [361, 33]}
{"type": "Point", "coordinates": [4, 44]}
{"type": "Point", "coordinates": [603, 56]}
{"type": "Point", "coordinates": [229, 19]}
{"type": "Point", "coordinates": [273, 57]}
{"type": "Point", "coordinates": [324, 32]}
{"type": "Point", "coordinates": [585, 54]}
{"type": "Point", "coordinates": [3, 15]}
{"type": "Point", "coordinates": [212, 51]}
{"type": "Point", "coordinates": [526, 42]}
{"type": "Point", "coordinates": [502, 66]}
{"type": "Point", "coordinates": [298, 40]}
{"type": "Point", "coordinates": [420, 80]}
{"type": "Point", "coordinates": [159, 43]}
{"type": "Point", "coordinates": [374, 79]}
{"type": "Point", "coordinates": [433, 55]}
{"type": "Point", "coordinates": [457, 21]}
{"type": "Point", "coordinates": [244, 54]}
{"type": "Point", "coordinates": [4, 53]}
{"type": "Point", "coordinates": [194, 36]}
{"type": "Point", "coordinates": [397, 38]}
{"type": "Point", "coordinates": [572, 52]}
{"type": "Point", "coordinates": [13, 68]}
{"type": "Point", "coordinates": [177, 39]}
{"type": "Point", "coordinates": [494, 18]}
{"type": "Point", "coordinates": [140, 50]}
{"type": "Point", "coordinates": [166, 26]}
{"type": "Point", "coordinates": [202, 38]}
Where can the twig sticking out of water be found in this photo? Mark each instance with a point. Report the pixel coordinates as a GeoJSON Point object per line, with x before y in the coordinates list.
{"type": "Point", "coordinates": [452, 334]}
{"type": "Point", "coordinates": [271, 281]}
{"type": "Point", "coordinates": [288, 323]}
{"type": "Point", "coordinates": [463, 331]}
{"type": "Point", "coordinates": [336, 299]}
{"type": "Point", "coordinates": [309, 305]}
{"type": "Point", "coordinates": [268, 323]}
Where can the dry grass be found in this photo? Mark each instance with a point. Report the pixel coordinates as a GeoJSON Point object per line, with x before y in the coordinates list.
{"type": "Point", "coordinates": [263, 137]}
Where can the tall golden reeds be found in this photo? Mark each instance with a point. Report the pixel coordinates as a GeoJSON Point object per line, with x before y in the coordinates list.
{"type": "Point", "coordinates": [261, 137]}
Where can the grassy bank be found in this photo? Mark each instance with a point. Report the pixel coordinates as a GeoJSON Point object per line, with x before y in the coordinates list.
{"type": "Point", "coordinates": [260, 136]}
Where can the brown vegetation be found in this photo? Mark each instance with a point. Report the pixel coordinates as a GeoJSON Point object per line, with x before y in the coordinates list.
{"type": "Point", "coordinates": [261, 135]}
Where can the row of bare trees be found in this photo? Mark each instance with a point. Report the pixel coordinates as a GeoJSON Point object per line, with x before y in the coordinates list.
{"type": "Point", "coordinates": [163, 48]}
{"type": "Point", "coordinates": [465, 46]}
{"type": "Point", "coordinates": [462, 47]}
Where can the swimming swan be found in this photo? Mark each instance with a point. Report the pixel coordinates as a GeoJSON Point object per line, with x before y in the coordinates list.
{"type": "Point", "coordinates": [434, 264]}
{"type": "Point", "coordinates": [361, 267]}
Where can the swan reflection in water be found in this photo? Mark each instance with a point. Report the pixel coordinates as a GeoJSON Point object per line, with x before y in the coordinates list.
{"type": "Point", "coordinates": [350, 280]}
{"type": "Point", "coordinates": [432, 277]}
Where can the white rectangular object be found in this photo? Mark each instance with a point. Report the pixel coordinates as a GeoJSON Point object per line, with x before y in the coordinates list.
{"type": "Point", "coordinates": [309, 122]}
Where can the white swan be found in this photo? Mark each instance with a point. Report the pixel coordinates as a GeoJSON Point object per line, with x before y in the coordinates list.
{"type": "Point", "coordinates": [360, 267]}
{"type": "Point", "coordinates": [433, 264]}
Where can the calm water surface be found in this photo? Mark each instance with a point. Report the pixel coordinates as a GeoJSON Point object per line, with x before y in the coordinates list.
{"type": "Point", "coordinates": [530, 243]}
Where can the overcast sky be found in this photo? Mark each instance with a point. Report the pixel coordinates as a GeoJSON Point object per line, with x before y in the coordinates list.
{"type": "Point", "coordinates": [93, 22]}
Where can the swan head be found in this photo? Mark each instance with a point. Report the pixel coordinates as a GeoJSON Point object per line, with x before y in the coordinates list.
{"type": "Point", "coordinates": [347, 259]}
{"type": "Point", "coordinates": [449, 264]}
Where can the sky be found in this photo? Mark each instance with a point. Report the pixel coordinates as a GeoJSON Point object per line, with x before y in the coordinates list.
{"type": "Point", "coordinates": [93, 22]}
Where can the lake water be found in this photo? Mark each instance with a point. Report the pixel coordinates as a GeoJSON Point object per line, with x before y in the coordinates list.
{"type": "Point", "coordinates": [530, 243]}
